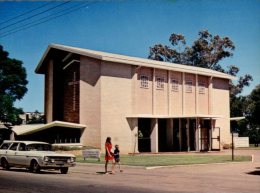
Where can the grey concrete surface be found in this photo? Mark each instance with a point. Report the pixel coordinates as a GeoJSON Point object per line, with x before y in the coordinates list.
{"type": "Point", "coordinates": [231, 177]}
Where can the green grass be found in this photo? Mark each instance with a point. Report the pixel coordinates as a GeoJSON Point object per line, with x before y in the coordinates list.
{"type": "Point", "coordinates": [166, 160]}
{"type": "Point", "coordinates": [251, 147]}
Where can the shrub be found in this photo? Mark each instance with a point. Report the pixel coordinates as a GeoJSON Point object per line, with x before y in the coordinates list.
{"type": "Point", "coordinates": [227, 146]}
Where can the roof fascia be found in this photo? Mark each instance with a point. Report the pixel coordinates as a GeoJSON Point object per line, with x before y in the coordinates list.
{"type": "Point", "coordinates": [134, 61]}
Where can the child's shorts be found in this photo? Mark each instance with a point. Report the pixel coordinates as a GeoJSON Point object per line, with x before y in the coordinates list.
{"type": "Point", "coordinates": [117, 160]}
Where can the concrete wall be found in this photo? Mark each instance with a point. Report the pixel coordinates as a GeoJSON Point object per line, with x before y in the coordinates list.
{"type": "Point", "coordinates": [221, 106]}
{"type": "Point", "coordinates": [203, 97]}
{"type": "Point", "coordinates": [176, 95]}
{"type": "Point", "coordinates": [189, 95]}
{"type": "Point", "coordinates": [110, 92]}
{"type": "Point", "coordinates": [144, 96]}
{"type": "Point", "coordinates": [90, 114]}
{"type": "Point", "coordinates": [160, 94]}
{"type": "Point", "coordinates": [48, 98]}
{"type": "Point", "coordinates": [116, 104]}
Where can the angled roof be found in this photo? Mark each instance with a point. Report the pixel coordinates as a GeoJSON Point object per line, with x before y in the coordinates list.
{"type": "Point", "coordinates": [130, 60]}
{"type": "Point", "coordinates": [26, 142]}
{"type": "Point", "coordinates": [32, 128]}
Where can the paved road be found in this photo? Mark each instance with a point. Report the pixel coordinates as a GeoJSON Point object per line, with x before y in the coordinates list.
{"type": "Point", "coordinates": [85, 178]}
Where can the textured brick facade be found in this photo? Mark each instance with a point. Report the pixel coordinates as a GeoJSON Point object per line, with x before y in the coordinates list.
{"type": "Point", "coordinates": [71, 93]}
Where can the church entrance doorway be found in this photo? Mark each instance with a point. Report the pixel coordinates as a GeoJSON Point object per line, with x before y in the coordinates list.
{"type": "Point", "coordinates": [144, 132]}
{"type": "Point", "coordinates": [204, 135]}
{"type": "Point", "coordinates": [162, 135]}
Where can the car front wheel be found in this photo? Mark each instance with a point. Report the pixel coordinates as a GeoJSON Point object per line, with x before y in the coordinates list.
{"type": "Point", "coordinates": [5, 164]}
{"type": "Point", "coordinates": [64, 170]}
{"type": "Point", "coordinates": [35, 167]}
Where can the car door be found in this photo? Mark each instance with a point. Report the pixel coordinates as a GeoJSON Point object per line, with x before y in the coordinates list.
{"type": "Point", "coordinates": [21, 157]}
{"type": "Point", "coordinates": [4, 148]}
{"type": "Point", "coordinates": [11, 153]}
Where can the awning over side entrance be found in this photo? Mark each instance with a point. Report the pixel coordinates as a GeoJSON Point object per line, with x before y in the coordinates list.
{"type": "Point", "coordinates": [33, 128]}
{"type": "Point", "coordinates": [236, 118]}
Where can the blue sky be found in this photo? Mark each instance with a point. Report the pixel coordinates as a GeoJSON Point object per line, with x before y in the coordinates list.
{"type": "Point", "coordinates": [129, 28]}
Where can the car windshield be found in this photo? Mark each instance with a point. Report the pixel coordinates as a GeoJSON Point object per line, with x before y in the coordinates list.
{"type": "Point", "coordinates": [39, 147]}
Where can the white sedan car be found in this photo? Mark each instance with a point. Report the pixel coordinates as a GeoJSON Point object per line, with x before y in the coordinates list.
{"type": "Point", "coordinates": [34, 155]}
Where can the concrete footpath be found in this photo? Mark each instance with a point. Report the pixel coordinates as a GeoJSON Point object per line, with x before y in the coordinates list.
{"type": "Point", "coordinates": [229, 177]}
{"type": "Point", "coordinates": [88, 178]}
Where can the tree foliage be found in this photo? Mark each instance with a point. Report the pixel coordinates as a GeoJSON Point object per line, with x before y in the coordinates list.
{"type": "Point", "coordinates": [250, 108]}
{"type": "Point", "coordinates": [36, 117]}
{"type": "Point", "coordinates": [12, 87]}
{"type": "Point", "coordinates": [206, 52]}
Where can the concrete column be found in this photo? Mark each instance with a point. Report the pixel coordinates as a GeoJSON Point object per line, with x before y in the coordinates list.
{"type": "Point", "coordinates": [169, 134]}
{"type": "Point", "coordinates": [134, 85]}
{"type": "Point", "coordinates": [169, 92]}
{"type": "Point", "coordinates": [196, 96]}
{"type": "Point", "coordinates": [48, 104]}
{"type": "Point", "coordinates": [210, 134]}
{"type": "Point", "coordinates": [180, 136]}
{"type": "Point", "coordinates": [188, 134]}
{"type": "Point", "coordinates": [134, 135]}
{"type": "Point", "coordinates": [197, 134]}
{"type": "Point", "coordinates": [12, 136]}
{"type": "Point", "coordinates": [154, 136]}
{"type": "Point", "coordinates": [210, 96]}
{"type": "Point", "coordinates": [153, 93]}
{"type": "Point", "coordinates": [183, 93]}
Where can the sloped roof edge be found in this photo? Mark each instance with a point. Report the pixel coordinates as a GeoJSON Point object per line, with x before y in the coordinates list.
{"type": "Point", "coordinates": [28, 129]}
{"type": "Point", "coordinates": [133, 61]}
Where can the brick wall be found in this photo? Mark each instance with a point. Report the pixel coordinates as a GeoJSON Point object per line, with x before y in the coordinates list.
{"type": "Point", "coordinates": [71, 93]}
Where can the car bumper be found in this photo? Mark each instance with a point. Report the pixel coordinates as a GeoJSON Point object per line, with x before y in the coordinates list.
{"type": "Point", "coordinates": [57, 165]}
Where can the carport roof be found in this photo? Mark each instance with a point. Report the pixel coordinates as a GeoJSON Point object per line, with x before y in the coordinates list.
{"type": "Point", "coordinates": [32, 128]}
{"type": "Point", "coordinates": [2, 126]}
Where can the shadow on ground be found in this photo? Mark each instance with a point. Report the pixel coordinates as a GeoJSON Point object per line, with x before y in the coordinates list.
{"type": "Point", "coordinates": [256, 172]}
{"type": "Point", "coordinates": [26, 171]}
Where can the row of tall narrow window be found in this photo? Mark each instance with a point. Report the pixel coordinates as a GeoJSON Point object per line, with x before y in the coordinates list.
{"type": "Point", "coordinates": [144, 83]}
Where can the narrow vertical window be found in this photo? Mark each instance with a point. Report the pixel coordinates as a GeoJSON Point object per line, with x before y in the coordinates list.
{"type": "Point", "coordinates": [188, 84]}
{"type": "Point", "coordinates": [144, 81]}
{"type": "Point", "coordinates": [160, 83]}
{"type": "Point", "coordinates": [74, 83]}
{"type": "Point", "coordinates": [175, 85]}
{"type": "Point", "coordinates": [202, 87]}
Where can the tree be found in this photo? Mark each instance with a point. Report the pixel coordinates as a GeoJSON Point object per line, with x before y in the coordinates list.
{"type": "Point", "coordinates": [12, 87]}
{"type": "Point", "coordinates": [36, 117]}
{"type": "Point", "coordinates": [252, 115]}
{"type": "Point", "coordinates": [206, 52]}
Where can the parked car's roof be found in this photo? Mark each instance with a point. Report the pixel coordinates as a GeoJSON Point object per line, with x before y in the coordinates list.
{"type": "Point", "coordinates": [26, 142]}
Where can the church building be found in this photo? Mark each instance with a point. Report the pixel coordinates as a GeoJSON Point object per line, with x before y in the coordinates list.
{"type": "Point", "coordinates": [143, 105]}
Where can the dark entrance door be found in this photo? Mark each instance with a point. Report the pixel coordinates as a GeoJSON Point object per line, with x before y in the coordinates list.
{"type": "Point", "coordinates": [162, 134]}
{"type": "Point", "coordinates": [176, 135]}
{"type": "Point", "coordinates": [183, 135]}
{"type": "Point", "coordinates": [192, 129]}
{"type": "Point", "coordinates": [204, 136]}
{"type": "Point", "coordinates": [144, 132]}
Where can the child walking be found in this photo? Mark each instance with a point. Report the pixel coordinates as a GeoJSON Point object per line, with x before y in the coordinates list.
{"type": "Point", "coordinates": [117, 157]}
